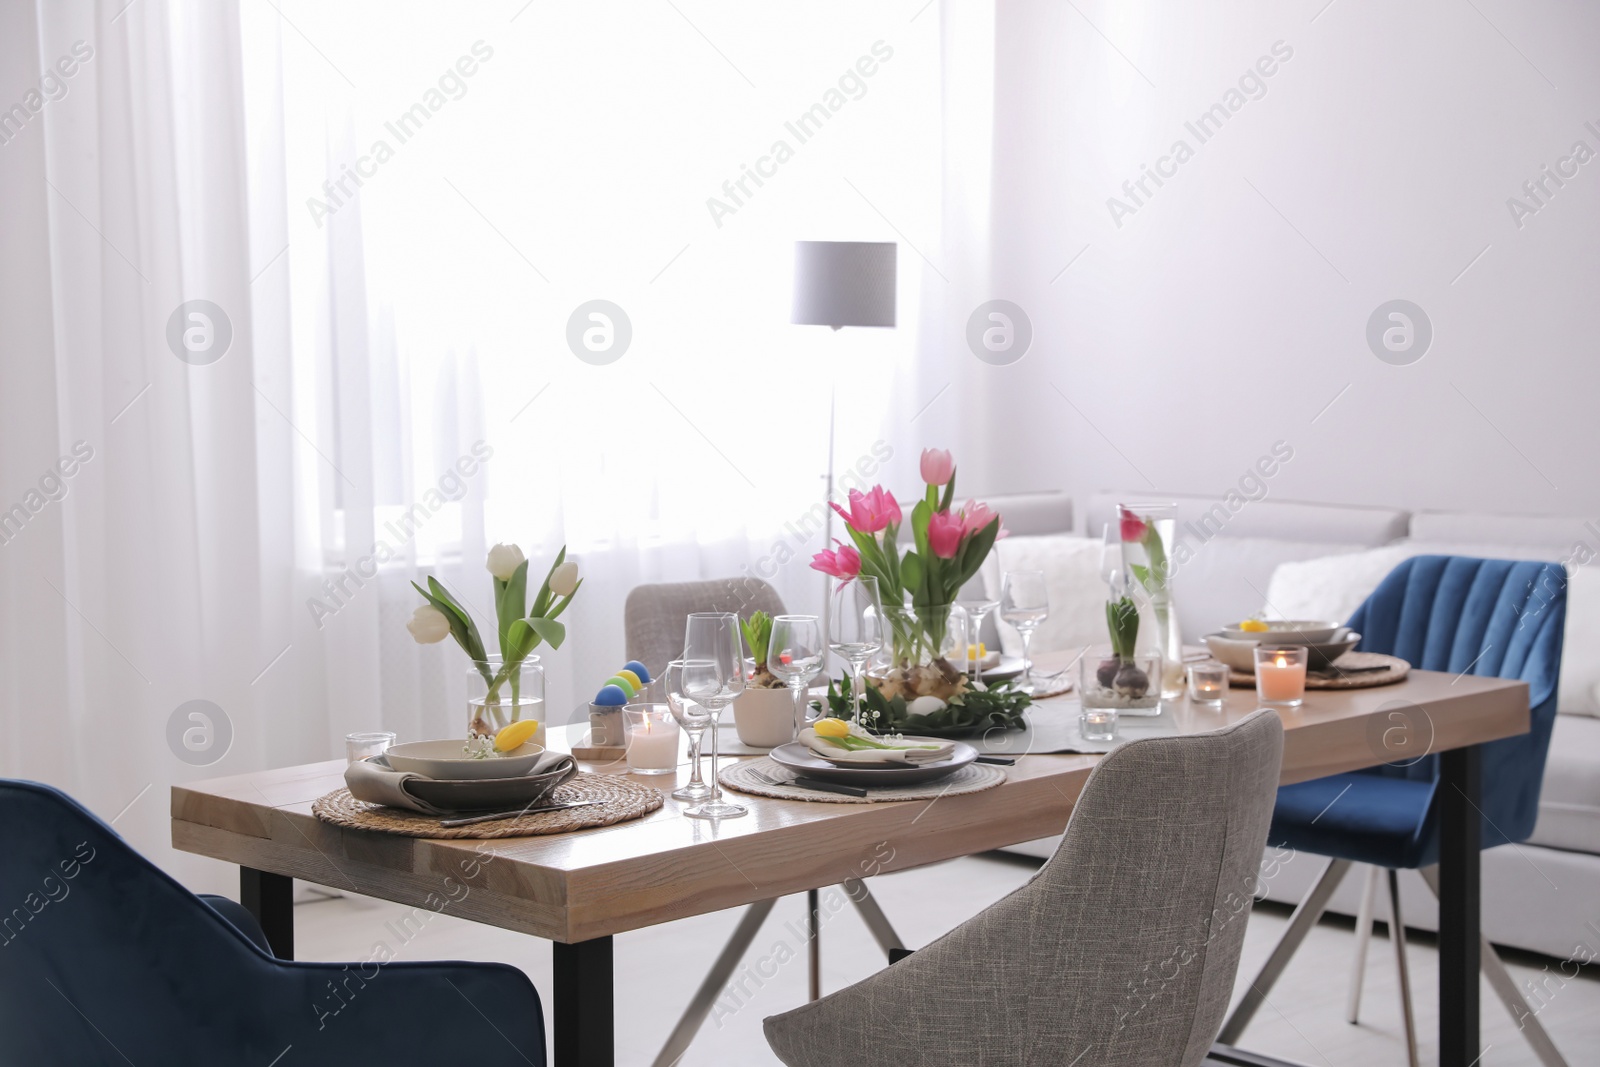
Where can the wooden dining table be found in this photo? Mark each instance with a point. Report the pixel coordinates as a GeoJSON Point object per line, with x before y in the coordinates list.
{"type": "Point", "coordinates": [581, 889]}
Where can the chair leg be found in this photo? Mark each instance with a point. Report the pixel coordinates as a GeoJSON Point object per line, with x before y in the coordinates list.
{"type": "Point", "coordinates": [1358, 972]}
{"type": "Point", "coordinates": [1505, 987]}
{"type": "Point", "coordinates": [1300, 923]}
{"type": "Point", "coordinates": [1397, 934]}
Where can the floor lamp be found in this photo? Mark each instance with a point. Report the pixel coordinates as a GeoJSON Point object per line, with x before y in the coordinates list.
{"type": "Point", "coordinates": [838, 284]}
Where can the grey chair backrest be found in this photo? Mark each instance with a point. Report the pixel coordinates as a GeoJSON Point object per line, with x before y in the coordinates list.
{"type": "Point", "coordinates": [654, 614]}
{"type": "Point", "coordinates": [1120, 952]}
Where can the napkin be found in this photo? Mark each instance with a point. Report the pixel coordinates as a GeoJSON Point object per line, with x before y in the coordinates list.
{"type": "Point", "coordinates": [923, 752]}
{"type": "Point", "coordinates": [375, 782]}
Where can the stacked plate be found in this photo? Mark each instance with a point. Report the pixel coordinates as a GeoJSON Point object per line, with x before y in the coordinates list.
{"type": "Point", "coordinates": [454, 782]}
{"type": "Point", "coordinates": [806, 763]}
{"type": "Point", "coordinates": [1323, 641]}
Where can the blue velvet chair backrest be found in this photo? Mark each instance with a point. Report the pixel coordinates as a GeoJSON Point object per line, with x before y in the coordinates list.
{"type": "Point", "coordinates": [1487, 617]}
{"type": "Point", "coordinates": [104, 959]}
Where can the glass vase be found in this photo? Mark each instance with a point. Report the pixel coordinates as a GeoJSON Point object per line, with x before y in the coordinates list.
{"type": "Point", "coordinates": [1130, 684]}
{"type": "Point", "coordinates": [1149, 535]}
{"type": "Point", "coordinates": [924, 652]}
{"type": "Point", "coordinates": [498, 696]}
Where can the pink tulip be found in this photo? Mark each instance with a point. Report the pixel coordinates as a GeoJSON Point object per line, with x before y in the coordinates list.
{"type": "Point", "coordinates": [845, 562]}
{"type": "Point", "coordinates": [1133, 527]}
{"type": "Point", "coordinates": [938, 466]}
{"type": "Point", "coordinates": [870, 512]}
{"type": "Point", "coordinates": [975, 516]}
{"type": "Point", "coordinates": [944, 534]}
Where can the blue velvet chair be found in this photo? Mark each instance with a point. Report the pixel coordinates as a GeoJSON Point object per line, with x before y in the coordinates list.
{"type": "Point", "coordinates": [1492, 618]}
{"type": "Point", "coordinates": [104, 959]}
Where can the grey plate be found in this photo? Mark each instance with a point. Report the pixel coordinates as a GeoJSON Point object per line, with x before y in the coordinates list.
{"type": "Point", "coordinates": [488, 794]}
{"type": "Point", "coordinates": [800, 759]}
{"type": "Point", "coordinates": [1009, 667]}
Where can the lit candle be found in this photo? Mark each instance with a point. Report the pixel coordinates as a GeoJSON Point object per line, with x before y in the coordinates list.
{"type": "Point", "coordinates": [1281, 675]}
{"type": "Point", "coordinates": [652, 739]}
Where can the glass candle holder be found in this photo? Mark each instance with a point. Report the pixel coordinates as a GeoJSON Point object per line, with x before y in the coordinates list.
{"type": "Point", "coordinates": [1281, 675]}
{"type": "Point", "coordinates": [1098, 724]}
{"type": "Point", "coordinates": [652, 735]}
{"type": "Point", "coordinates": [365, 745]}
{"type": "Point", "coordinates": [1208, 683]}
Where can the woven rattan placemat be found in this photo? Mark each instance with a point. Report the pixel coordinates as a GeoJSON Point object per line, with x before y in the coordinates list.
{"type": "Point", "coordinates": [1395, 670]}
{"type": "Point", "coordinates": [619, 800]}
{"type": "Point", "coordinates": [756, 777]}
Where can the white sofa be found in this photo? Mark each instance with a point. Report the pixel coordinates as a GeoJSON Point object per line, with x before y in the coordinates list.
{"type": "Point", "coordinates": [1299, 560]}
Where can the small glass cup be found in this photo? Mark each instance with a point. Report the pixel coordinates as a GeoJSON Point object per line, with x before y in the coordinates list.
{"type": "Point", "coordinates": [1208, 683]}
{"type": "Point", "coordinates": [361, 746]}
{"type": "Point", "coordinates": [1281, 675]}
{"type": "Point", "coordinates": [652, 735]}
{"type": "Point", "coordinates": [1098, 724]}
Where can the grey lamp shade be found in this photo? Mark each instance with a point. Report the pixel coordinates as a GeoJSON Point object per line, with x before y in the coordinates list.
{"type": "Point", "coordinates": [844, 283]}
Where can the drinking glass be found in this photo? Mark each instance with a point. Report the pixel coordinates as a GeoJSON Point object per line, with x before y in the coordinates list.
{"type": "Point", "coordinates": [795, 655]}
{"type": "Point", "coordinates": [857, 621]}
{"type": "Point", "coordinates": [1025, 603]}
{"type": "Point", "coordinates": [1111, 570]}
{"type": "Point", "coordinates": [360, 746]}
{"type": "Point", "coordinates": [977, 603]}
{"type": "Point", "coordinates": [713, 675]}
{"type": "Point", "coordinates": [693, 718]}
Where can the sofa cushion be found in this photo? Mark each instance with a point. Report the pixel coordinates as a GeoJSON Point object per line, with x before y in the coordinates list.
{"type": "Point", "coordinates": [1071, 567]}
{"type": "Point", "coordinates": [1569, 804]}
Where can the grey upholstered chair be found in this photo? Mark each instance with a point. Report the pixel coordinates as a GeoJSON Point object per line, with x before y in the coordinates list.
{"type": "Point", "coordinates": [1120, 951]}
{"type": "Point", "coordinates": [654, 614]}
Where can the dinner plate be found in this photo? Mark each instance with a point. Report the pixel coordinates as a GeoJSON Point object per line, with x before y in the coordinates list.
{"type": "Point", "coordinates": [487, 794]}
{"type": "Point", "coordinates": [800, 759]}
{"type": "Point", "coordinates": [1006, 669]}
{"type": "Point", "coordinates": [445, 761]}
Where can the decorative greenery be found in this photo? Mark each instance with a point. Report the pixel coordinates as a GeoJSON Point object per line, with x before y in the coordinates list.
{"type": "Point", "coordinates": [977, 709]}
{"type": "Point", "coordinates": [758, 635]}
{"type": "Point", "coordinates": [1122, 620]}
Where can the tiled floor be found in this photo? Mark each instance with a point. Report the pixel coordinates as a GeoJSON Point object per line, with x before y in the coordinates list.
{"type": "Point", "coordinates": [657, 969]}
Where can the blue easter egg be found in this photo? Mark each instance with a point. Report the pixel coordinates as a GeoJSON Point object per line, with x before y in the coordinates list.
{"type": "Point", "coordinates": [611, 696]}
{"type": "Point", "coordinates": [637, 668]}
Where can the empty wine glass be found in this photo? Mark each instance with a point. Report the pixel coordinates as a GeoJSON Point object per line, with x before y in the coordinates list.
{"type": "Point", "coordinates": [975, 600]}
{"type": "Point", "coordinates": [795, 655]}
{"type": "Point", "coordinates": [712, 676]}
{"type": "Point", "coordinates": [857, 630]}
{"type": "Point", "coordinates": [693, 719]}
{"type": "Point", "coordinates": [1025, 603]}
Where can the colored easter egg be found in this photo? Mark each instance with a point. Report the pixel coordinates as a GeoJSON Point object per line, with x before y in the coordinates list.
{"type": "Point", "coordinates": [623, 684]}
{"type": "Point", "coordinates": [611, 696]}
{"type": "Point", "coordinates": [631, 678]}
{"type": "Point", "coordinates": [638, 668]}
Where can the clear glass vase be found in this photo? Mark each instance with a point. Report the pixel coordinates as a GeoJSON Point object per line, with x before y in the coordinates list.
{"type": "Point", "coordinates": [1130, 684]}
{"type": "Point", "coordinates": [924, 652]}
{"type": "Point", "coordinates": [1149, 535]}
{"type": "Point", "coordinates": [498, 696]}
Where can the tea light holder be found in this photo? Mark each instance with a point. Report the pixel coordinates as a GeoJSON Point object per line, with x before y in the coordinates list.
{"type": "Point", "coordinates": [1098, 724]}
{"type": "Point", "coordinates": [652, 736]}
{"type": "Point", "coordinates": [1208, 683]}
{"type": "Point", "coordinates": [1281, 675]}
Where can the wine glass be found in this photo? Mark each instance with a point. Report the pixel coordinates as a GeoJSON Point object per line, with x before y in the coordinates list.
{"type": "Point", "coordinates": [712, 676]}
{"type": "Point", "coordinates": [857, 622]}
{"type": "Point", "coordinates": [1025, 603]}
{"type": "Point", "coordinates": [693, 719]}
{"type": "Point", "coordinates": [975, 600]}
{"type": "Point", "coordinates": [795, 655]}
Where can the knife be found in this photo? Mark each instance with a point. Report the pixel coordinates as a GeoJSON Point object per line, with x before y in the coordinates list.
{"type": "Point", "coordinates": [471, 820]}
{"type": "Point", "coordinates": [829, 787]}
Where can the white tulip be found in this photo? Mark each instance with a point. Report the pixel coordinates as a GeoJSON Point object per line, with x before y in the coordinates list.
{"type": "Point", "coordinates": [504, 561]}
{"type": "Point", "coordinates": [564, 579]}
{"type": "Point", "coordinates": [429, 625]}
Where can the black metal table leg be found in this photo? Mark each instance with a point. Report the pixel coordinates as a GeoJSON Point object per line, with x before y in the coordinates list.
{"type": "Point", "coordinates": [585, 1024]}
{"type": "Point", "coordinates": [270, 898]}
{"type": "Point", "coordinates": [1460, 905]}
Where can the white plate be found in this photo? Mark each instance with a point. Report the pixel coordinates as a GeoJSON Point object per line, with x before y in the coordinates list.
{"type": "Point", "coordinates": [443, 760]}
{"type": "Point", "coordinates": [800, 759]}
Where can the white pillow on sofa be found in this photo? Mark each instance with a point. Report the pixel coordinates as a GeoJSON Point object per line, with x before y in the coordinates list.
{"type": "Point", "coordinates": [1071, 567]}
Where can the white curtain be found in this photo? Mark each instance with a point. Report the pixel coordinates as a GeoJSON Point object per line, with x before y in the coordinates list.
{"type": "Point", "coordinates": [398, 391]}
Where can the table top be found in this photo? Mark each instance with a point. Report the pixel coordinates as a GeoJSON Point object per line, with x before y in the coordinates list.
{"type": "Point", "coordinates": [608, 880]}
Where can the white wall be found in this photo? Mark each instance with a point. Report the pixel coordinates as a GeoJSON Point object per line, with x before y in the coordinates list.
{"type": "Point", "coordinates": [1209, 325]}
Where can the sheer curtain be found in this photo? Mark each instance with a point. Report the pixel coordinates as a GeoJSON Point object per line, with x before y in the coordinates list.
{"type": "Point", "coordinates": [396, 211]}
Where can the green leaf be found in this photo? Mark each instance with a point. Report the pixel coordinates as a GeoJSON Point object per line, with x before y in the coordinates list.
{"type": "Point", "coordinates": [949, 491]}
{"type": "Point", "coordinates": [462, 628]}
{"type": "Point", "coordinates": [526, 634]}
{"type": "Point", "coordinates": [911, 572]}
{"type": "Point", "coordinates": [509, 602]}
{"type": "Point", "coordinates": [758, 635]}
{"type": "Point", "coordinates": [1141, 572]}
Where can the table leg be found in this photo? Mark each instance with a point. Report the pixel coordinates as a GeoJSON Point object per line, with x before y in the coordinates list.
{"type": "Point", "coordinates": [814, 943]}
{"type": "Point", "coordinates": [270, 898]}
{"type": "Point", "coordinates": [1460, 907]}
{"type": "Point", "coordinates": [585, 1023]}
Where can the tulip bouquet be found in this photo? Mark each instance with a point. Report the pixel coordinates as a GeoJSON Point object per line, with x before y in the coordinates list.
{"type": "Point", "coordinates": [520, 628]}
{"type": "Point", "coordinates": [920, 586]}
